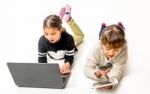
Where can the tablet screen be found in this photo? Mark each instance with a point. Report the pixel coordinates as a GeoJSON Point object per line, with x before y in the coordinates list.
{"type": "Point", "coordinates": [100, 84]}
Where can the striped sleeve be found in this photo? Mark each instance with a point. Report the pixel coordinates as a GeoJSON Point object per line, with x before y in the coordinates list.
{"type": "Point", "coordinates": [42, 53]}
{"type": "Point", "coordinates": [70, 50]}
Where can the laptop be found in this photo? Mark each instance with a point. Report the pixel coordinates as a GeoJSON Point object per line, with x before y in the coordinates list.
{"type": "Point", "coordinates": [38, 75]}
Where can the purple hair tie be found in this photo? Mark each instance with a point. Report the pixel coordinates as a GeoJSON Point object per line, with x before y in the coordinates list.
{"type": "Point", "coordinates": [103, 26]}
{"type": "Point", "coordinates": [121, 25]}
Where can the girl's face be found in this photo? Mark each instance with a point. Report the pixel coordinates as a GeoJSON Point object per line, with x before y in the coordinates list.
{"type": "Point", "coordinates": [110, 52]}
{"type": "Point", "coordinates": [53, 35]}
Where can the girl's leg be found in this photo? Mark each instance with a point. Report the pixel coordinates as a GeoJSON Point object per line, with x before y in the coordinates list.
{"type": "Point", "coordinates": [77, 33]}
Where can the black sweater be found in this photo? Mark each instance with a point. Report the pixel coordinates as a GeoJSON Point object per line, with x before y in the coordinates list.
{"type": "Point", "coordinates": [63, 49]}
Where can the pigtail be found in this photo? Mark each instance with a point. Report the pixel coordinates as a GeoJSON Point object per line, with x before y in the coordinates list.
{"type": "Point", "coordinates": [103, 26]}
{"type": "Point", "coordinates": [121, 25]}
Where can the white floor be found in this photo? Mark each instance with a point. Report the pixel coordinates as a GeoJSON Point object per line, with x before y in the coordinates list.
{"type": "Point", "coordinates": [21, 26]}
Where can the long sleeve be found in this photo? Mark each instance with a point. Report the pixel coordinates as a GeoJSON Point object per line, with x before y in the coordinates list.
{"type": "Point", "coordinates": [118, 67]}
{"type": "Point", "coordinates": [92, 62]}
{"type": "Point", "coordinates": [77, 33]}
{"type": "Point", "coordinates": [69, 50]}
{"type": "Point", "coordinates": [42, 53]}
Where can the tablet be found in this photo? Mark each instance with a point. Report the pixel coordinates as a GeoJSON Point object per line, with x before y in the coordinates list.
{"type": "Point", "coordinates": [101, 84]}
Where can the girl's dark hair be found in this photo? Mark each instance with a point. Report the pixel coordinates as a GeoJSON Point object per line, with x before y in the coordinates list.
{"type": "Point", "coordinates": [52, 21]}
{"type": "Point", "coordinates": [114, 36]}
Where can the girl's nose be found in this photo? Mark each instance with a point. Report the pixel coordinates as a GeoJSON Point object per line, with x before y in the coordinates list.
{"type": "Point", "coordinates": [111, 53]}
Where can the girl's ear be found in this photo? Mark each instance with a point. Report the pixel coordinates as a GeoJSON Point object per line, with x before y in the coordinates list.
{"type": "Point", "coordinates": [121, 25]}
{"type": "Point", "coordinates": [103, 26]}
{"type": "Point", "coordinates": [63, 29]}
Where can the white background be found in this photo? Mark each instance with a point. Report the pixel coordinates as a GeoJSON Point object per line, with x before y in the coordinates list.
{"type": "Point", "coordinates": [21, 26]}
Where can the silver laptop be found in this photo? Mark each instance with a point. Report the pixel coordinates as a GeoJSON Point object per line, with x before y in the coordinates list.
{"type": "Point", "coordinates": [40, 75]}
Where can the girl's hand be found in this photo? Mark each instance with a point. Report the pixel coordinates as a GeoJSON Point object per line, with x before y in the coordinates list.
{"type": "Point", "coordinates": [102, 73]}
{"type": "Point", "coordinates": [65, 68]}
{"type": "Point", "coordinates": [98, 74]}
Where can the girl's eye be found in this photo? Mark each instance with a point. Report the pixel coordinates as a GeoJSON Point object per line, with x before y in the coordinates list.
{"type": "Point", "coordinates": [116, 49]}
{"type": "Point", "coordinates": [107, 48]}
{"type": "Point", "coordinates": [46, 33]}
{"type": "Point", "coordinates": [52, 33]}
